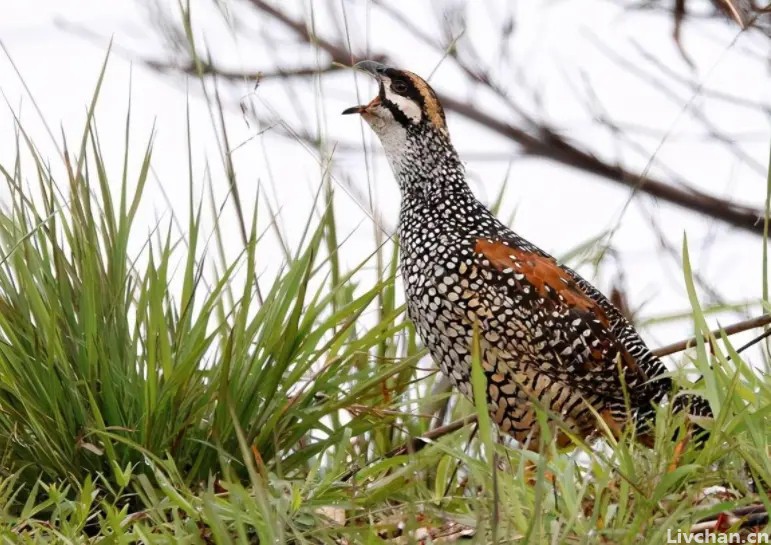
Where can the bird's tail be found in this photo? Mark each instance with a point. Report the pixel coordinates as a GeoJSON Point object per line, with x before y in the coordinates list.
{"type": "Point", "coordinates": [691, 404]}
{"type": "Point", "coordinates": [696, 406]}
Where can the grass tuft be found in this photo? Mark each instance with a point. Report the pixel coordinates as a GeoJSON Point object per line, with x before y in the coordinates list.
{"type": "Point", "coordinates": [166, 396]}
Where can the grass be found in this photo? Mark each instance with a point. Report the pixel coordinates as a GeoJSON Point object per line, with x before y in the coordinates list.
{"type": "Point", "coordinates": [145, 398]}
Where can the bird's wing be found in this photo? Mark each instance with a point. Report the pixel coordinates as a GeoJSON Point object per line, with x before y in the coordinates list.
{"type": "Point", "coordinates": [570, 330]}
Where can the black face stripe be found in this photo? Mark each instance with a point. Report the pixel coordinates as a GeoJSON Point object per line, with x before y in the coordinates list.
{"type": "Point", "coordinates": [413, 88]}
{"type": "Point", "coordinates": [420, 92]}
{"type": "Point", "coordinates": [411, 91]}
{"type": "Point", "coordinates": [398, 114]}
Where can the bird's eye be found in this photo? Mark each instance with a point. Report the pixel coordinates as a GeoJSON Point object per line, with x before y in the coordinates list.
{"type": "Point", "coordinates": [398, 86]}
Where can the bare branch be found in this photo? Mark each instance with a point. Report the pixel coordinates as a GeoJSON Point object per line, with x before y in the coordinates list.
{"type": "Point", "coordinates": [550, 145]}
{"type": "Point", "coordinates": [732, 329]}
{"type": "Point", "coordinates": [207, 69]}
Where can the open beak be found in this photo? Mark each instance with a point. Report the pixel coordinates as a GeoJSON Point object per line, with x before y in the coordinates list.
{"type": "Point", "coordinates": [363, 109]}
{"type": "Point", "coordinates": [375, 69]}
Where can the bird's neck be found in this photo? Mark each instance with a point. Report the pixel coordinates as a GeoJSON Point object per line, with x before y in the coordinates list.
{"type": "Point", "coordinates": [429, 171]}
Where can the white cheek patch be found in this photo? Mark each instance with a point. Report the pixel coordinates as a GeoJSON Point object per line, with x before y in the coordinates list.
{"type": "Point", "coordinates": [406, 105]}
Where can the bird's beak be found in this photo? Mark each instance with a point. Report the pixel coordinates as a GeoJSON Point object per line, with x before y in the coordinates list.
{"type": "Point", "coordinates": [363, 109]}
{"type": "Point", "coordinates": [374, 69]}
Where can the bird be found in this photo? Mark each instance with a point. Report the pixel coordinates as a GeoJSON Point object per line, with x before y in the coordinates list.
{"type": "Point", "coordinates": [547, 339]}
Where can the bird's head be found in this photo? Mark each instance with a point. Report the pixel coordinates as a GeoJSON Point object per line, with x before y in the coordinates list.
{"type": "Point", "coordinates": [404, 103]}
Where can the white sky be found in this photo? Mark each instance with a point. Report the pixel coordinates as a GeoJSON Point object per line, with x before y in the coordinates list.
{"type": "Point", "coordinates": [59, 47]}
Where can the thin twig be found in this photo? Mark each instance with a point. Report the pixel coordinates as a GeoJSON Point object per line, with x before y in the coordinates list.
{"type": "Point", "coordinates": [208, 69]}
{"type": "Point", "coordinates": [416, 443]}
{"type": "Point", "coordinates": [739, 512]}
{"type": "Point", "coordinates": [547, 143]}
{"type": "Point", "coordinates": [754, 516]}
{"type": "Point", "coordinates": [732, 329]}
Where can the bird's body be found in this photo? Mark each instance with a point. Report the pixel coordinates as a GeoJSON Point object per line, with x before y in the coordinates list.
{"type": "Point", "coordinates": [547, 337]}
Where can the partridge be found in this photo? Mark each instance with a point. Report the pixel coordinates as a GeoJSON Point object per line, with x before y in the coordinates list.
{"type": "Point", "coordinates": [547, 338]}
